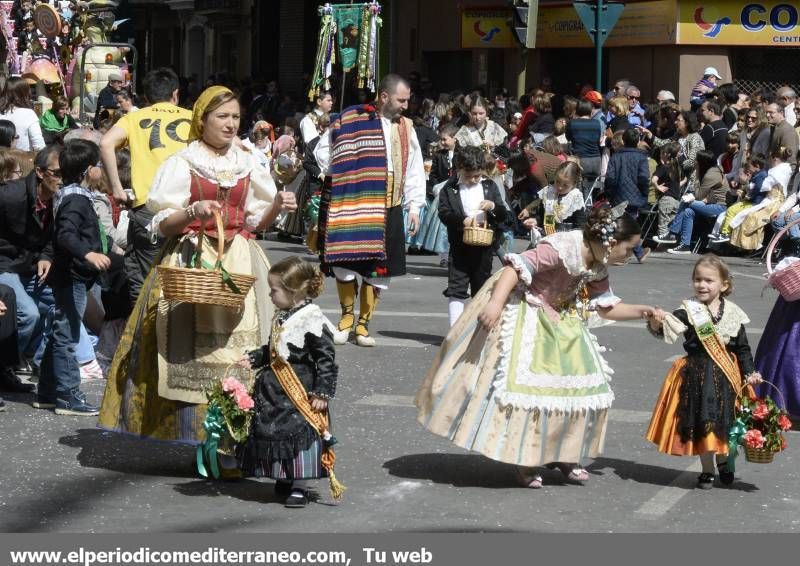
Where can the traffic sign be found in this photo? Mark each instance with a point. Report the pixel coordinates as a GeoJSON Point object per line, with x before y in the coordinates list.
{"type": "Point", "coordinates": [609, 15]}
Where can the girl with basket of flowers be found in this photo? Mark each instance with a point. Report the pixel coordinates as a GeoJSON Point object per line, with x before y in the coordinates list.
{"type": "Point", "coordinates": [520, 378]}
{"type": "Point", "coordinates": [466, 200]}
{"type": "Point", "coordinates": [290, 439]}
{"type": "Point", "coordinates": [697, 405]}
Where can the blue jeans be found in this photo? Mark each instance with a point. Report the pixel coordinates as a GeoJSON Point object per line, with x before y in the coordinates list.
{"type": "Point", "coordinates": [60, 373]}
{"type": "Point", "coordinates": [43, 295]}
{"type": "Point", "coordinates": [780, 223]}
{"type": "Point", "coordinates": [684, 221]}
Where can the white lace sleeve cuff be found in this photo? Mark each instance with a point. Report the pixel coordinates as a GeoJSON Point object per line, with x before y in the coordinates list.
{"type": "Point", "coordinates": [604, 301]}
{"type": "Point", "coordinates": [154, 228]}
{"type": "Point", "coordinates": [521, 266]}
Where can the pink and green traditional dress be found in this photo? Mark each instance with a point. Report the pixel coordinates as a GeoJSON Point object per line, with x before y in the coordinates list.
{"type": "Point", "coordinates": [535, 389]}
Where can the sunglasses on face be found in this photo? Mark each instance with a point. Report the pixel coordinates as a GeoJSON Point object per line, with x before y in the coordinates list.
{"type": "Point", "coordinates": [631, 97]}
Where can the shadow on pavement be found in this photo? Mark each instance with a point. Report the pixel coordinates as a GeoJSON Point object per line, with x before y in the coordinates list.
{"type": "Point", "coordinates": [653, 475]}
{"type": "Point", "coordinates": [243, 489]}
{"type": "Point", "coordinates": [120, 453]}
{"type": "Point", "coordinates": [432, 339]}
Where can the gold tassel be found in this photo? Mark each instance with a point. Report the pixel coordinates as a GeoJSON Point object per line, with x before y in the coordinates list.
{"type": "Point", "coordinates": [337, 489]}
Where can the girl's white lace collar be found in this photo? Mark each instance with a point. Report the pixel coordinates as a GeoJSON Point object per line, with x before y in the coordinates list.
{"type": "Point", "coordinates": [308, 319]}
{"type": "Point", "coordinates": [569, 246]}
{"type": "Point", "coordinates": [733, 317]}
{"type": "Point", "coordinates": [225, 170]}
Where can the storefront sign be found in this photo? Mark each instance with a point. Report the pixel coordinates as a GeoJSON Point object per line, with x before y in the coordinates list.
{"type": "Point", "coordinates": [641, 23]}
{"type": "Point", "coordinates": [483, 28]}
{"type": "Point", "coordinates": [729, 22]}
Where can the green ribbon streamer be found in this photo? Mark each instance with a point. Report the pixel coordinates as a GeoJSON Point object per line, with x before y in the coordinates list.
{"type": "Point", "coordinates": [735, 436]}
{"type": "Point", "coordinates": [214, 426]}
{"type": "Point", "coordinates": [226, 277]}
{"type": "Point", "coordinates": [312, 209]}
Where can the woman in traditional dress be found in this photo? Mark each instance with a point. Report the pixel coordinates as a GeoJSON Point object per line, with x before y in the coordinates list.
{"type": "Point", "coordinates": [520, 378]}
{"type": "Point", "coordinates": [170, 352]}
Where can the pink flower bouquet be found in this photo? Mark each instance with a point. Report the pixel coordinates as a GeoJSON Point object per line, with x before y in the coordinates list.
{"type": "Point", "coordinates": [764, 424]}
{"type": "Point", "coordinates": [235, 404]}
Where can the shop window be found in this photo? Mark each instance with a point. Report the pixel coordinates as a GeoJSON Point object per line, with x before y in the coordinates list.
{"type": "Point", "coordinates": [755, 68]}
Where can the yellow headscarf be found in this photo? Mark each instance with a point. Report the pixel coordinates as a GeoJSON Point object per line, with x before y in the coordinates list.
{"type": "Point", "coordinates": [200, 107]}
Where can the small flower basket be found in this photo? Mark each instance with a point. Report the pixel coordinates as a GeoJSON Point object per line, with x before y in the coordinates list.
{"type": "Point", "coordinates": [477, 235]}
{"type": "Point", "coordinates": [761, 424]}
{"type": "Point", "coordinates": [227, 424]}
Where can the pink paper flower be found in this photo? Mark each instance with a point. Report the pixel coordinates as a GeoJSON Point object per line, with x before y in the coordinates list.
{"type": "Point", "coordinates": [754, 439]}
{"type": "Point", "coordinates": [231, 385]}
{"type": "Point", "coordinates": [784, 422]}
{"type": "Point", "coordinates": [761, 411]}
{"type": "Point", "coordinates": [244, 401]}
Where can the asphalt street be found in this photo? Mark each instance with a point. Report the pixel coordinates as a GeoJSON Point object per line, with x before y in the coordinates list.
{"type": "Point", "coordinates": [61, 474]}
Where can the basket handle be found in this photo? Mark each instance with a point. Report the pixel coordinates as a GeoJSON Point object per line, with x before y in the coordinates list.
{"type": "Point", "coordinates": [775, 239]}
{"type": "Point", "coordinates": [780, 393]}
{"type": "Point", "coordinates": [477, 224]}
{"type": "Point", "coordinates": [220, 242]}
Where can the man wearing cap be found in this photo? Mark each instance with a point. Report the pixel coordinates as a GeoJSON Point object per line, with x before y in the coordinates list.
{"type": "Point", "coordinates": [704, 86]}
{"type": "Point", "coordinates": [664, 96]}
{"type": "Point", "coordinates": [107, 97]}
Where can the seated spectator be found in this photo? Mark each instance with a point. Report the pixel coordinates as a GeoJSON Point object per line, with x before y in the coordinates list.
{"type": "Point", "coordinates": [708, 201]}
{"type": "Point", "coordinates": [669, 182]}
{"type": "Point", "coordinates": [56, 122]}
{"type": "Point", "coordinates": [749, 195]}
{"type": "Point", "coordinates": [787, 213]}
{"type": "Point", "coordinates": [749, 235]}
{"type": "Point", "coordinates": [780, 169]}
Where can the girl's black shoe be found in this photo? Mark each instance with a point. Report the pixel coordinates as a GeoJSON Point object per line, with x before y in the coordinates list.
{"type": "Point", "coordinates": [296, 500]}
{"type": "Point", "coordinates": [283, 487]}
{"type": "Point", "coordinates": [705, 481]}
{"type": "Point", "coordinates": [725, 475]}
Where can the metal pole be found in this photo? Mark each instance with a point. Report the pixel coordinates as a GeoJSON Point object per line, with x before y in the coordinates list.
{"type": "Point", "coordinates": [598, 47]}
{"type": "Point", "coordinates": [522, 73]}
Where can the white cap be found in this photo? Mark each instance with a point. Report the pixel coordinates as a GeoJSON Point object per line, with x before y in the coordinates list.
{"type": "Point", "coordinates": [711, 71]}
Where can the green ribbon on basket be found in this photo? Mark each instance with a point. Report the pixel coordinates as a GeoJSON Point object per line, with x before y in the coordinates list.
{"type": "Point", "coordinates": [735, 436]}
{"type": "Point", "coordinates": [226, 277]}
{"type": "Point", "coordinates": [214, 426]}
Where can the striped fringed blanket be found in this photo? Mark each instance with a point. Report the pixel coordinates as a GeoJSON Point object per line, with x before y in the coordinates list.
{"type": "Point", "coordinates": [357, 214]}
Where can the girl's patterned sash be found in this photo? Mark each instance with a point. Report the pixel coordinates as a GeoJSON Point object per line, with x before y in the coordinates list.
{"type": "Point", "coordinates": [700, 318]}
{"type": "Point", "coordinates": [297, 395]}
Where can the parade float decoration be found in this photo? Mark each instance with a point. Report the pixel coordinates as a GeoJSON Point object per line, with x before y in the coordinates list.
{"type": "Point", "coordinates": [63, 48]}
{"type": "Point", "coordinates": [349, 35]}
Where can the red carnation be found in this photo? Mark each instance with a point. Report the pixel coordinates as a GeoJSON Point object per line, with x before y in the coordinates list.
{"type": "Point", "coordinates": [784, 422]}
{"type": "Point", "coordinates": [761, 411]}
{"type": "Point", "coordinates": [754, 439]}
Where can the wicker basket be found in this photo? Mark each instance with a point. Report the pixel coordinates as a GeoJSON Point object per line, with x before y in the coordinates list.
{"type": "Point", "coordinates": [205, 286]}
{"type": "Point", "coordinates": [786, 281]}
{"type": "Point", "coordinates": [477, 235]}
{"type": "Point", "coordinates": [758, 455]}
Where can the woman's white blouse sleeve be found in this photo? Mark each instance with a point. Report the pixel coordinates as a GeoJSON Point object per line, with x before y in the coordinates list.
{"type": "Point", "coordinates": [170, 192]}
{"type": "Point", "coordinates": [260, 196]}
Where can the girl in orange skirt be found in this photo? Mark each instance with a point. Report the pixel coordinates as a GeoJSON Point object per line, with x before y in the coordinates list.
{"type": "Point", "coordinates": [697, 403]}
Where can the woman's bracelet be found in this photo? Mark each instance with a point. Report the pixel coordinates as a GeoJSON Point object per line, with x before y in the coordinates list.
{"type": "Point", "coordinates": [190, 212]}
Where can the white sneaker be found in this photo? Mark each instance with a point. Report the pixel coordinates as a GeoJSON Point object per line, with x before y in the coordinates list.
{"type": "Point", "coordinates": [341, 336]}
{"type": "Point", "coordinates": [91, 371]}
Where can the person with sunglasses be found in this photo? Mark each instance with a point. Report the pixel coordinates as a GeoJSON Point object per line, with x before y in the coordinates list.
{"type": "Point", "coordinates": [636, 115]}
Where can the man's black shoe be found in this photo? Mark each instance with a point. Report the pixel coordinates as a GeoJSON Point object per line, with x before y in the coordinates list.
{"type": "Point", "coordinates": [11, 383]}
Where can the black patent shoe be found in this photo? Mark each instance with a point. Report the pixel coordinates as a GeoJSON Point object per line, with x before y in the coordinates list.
{"type": "Point", "coordinates": [705, 481]}
{"type": "Point", "coordinates": [283, 487]}
{"type": "Point", "coordinates": [725, 475]}
{"type": "Point", "coordinates": [297, 500]}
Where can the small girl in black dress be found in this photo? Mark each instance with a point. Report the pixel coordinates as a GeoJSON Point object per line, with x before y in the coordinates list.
{"type": "Point", "coordinates": [290, 438]}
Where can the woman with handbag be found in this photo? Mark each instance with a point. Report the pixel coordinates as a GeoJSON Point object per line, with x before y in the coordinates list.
{"type": "Point", "coordinates": [172, 351]}
{"type": "Point", "coordinates": [465, 201]}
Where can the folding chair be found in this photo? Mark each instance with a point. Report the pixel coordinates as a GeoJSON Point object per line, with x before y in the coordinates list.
{"type": "Point", "coordinates": [650, 220]}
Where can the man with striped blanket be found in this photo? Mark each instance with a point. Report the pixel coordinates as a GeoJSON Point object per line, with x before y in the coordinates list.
{"type": "Point", "coordinates": [373, 158]}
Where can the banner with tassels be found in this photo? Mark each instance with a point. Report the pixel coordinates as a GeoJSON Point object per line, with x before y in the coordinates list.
{"type": "Point", "coordinates": [353, 31]}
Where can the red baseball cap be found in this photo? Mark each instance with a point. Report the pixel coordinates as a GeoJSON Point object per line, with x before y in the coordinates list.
{"type": "Point", "coordinates": [594, 97]}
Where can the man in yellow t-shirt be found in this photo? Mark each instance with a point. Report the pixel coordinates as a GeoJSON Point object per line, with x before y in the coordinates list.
{"type": "Point", "coordinates": [153, 134]}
